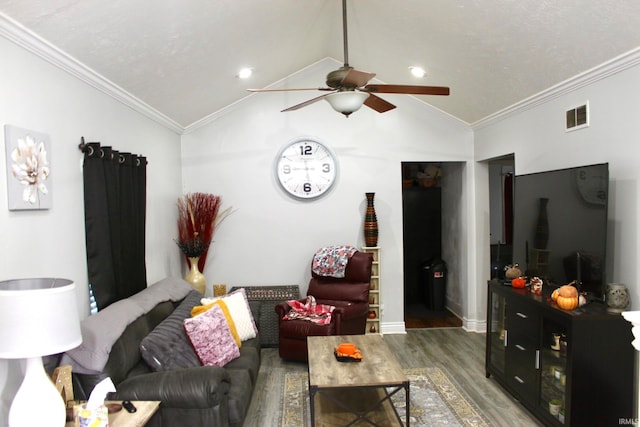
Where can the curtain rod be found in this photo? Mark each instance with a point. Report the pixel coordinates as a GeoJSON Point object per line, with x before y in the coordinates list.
{"type": "Point", "coordinates": [84, 147]}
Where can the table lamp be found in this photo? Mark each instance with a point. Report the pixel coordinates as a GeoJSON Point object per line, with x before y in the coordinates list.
{"type": "Point", "coordinates": [38, 317]}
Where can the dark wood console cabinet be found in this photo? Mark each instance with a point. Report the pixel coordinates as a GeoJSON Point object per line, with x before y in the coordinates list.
{"type": "Point", "coordinates": [581, 358]}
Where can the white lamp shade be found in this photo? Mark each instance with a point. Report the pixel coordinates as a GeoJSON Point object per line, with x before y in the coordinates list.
{"type": "Point", "coordinates": [346, 102]}
{"type": "Point", "coordinates": [39, 317]}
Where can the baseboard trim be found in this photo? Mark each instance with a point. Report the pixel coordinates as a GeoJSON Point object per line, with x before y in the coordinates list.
{"type": "Point", "coordinates": [392, 328]}
{"type": "Point", "coordinates": [472, 325]}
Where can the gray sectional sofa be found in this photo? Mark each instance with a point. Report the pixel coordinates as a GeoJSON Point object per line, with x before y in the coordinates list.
{"type": "Point", "coordinates": [149, 325]}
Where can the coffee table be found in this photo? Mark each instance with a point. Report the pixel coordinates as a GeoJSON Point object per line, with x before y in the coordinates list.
{"type": "Point", "coordinates": [344, 393]}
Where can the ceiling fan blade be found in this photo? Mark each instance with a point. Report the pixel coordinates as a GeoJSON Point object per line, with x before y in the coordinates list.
{"type": "Point", "coordinates": [304, 104]}
{"type": "Point", "coordinates": [357, 78]}
{"type": "Point", "coordinates": [408, 89]}
{"type": "Point", "coordinates": [289, 90]}
{"type": "Point", "coordinates": [376, 103]}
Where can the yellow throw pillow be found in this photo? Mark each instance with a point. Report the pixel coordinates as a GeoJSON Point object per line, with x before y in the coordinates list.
{"type": "Point", "coordinates": [199, 309]}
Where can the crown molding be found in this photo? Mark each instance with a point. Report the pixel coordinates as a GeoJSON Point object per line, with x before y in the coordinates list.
{"type": "Point", "coordinates": [600, 72]}
{"type": "Point", "coordinates": [18, 34]}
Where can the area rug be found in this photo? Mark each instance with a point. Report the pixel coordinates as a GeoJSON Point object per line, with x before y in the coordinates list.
{"type": "Point", "coordinates": [435, 401]}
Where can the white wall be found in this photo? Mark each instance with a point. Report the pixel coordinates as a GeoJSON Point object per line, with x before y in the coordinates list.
{"type": "Point", "coordinates": [538, 139]}
{"type": "Point", "coordinates": [38, 96]}
{"type": "Point", "coordinates": [271, 238]}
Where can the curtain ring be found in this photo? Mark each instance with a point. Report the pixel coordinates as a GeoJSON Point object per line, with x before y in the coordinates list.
{"type": "Point", "coordinates": [121, 159]}
{"type": "Point", "coordinates": [138, 161]}
{"type": "Point", "coordinates": [89, 150]}
{"type": "Point", "coordinates": [101, 153]}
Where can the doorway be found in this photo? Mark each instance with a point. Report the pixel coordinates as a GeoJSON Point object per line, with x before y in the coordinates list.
{"type": "Point", "coordinates": [427, 205]}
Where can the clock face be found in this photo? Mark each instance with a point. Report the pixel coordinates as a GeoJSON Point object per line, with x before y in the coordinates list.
{"type": "Point", "coordinates": [306, 168]}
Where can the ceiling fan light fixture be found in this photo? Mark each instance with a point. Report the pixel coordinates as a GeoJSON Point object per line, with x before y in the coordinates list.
{"type": "Point", "coordinates": [416, 71]}
{"type": "Point", "coordinates": [346, 102]}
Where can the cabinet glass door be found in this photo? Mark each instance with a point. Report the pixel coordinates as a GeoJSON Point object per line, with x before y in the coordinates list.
{"type": "Point", "coordinates": [497, 332]}
{"type": "Point", "coordinates": [553, 369]}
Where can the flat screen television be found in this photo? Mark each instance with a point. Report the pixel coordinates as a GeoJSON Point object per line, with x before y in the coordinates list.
{"type": "Point", "coordinates": [560, 226]}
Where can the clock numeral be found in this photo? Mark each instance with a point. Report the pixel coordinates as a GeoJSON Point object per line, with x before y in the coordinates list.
{"type": "Point", "coordinates": [306, 150]}
{"type": "Point", "coordinates": [326, 167]}
{"type": "Point", "coordinates": [306, 187]}
{"type": "Point", "coordinates": [286, 169]}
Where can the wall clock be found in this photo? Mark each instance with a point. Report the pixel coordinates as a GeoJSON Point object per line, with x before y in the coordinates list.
{"type": "Point", "coordinates": [306, 168]}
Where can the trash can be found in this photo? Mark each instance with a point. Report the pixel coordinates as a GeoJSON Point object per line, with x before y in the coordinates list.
{"type": "Point", "coordinates": [435, 273]}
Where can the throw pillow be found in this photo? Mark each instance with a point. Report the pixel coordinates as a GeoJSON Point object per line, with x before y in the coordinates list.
{"type": "Point", "coordinates": [240, 311]}
{"type": "Point", "coordinates": [167, 347]}
{"type": "Point", "coordinates": [199, 309]}
{"type": "Point", "coordinates": [211, 337]}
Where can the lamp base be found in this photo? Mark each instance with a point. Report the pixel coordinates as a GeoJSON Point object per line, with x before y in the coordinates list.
{"type": "Point", "coordinates": [37, 401]}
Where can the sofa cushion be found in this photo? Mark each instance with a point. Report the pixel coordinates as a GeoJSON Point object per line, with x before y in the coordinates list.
{"type": "Point", "coordinates": [240, 391]}
{"type": "Point", "coordinates": [167, 347]}
{"type": "Point", "coordinates": [211, 337]}
{"type": "Point", "coordinates": [240, 311]}
{"type": "Point", "coordinates": [249, 360]}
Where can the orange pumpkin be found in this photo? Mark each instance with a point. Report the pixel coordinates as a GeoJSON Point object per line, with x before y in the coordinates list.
{"type": "Point", "coordinates": [554, 295]}
{"type": "Point", "coordinates": [518, 282]}
{"type": "Point", "coordinates": [567, 291]}
{"type": "Point", "coordinates": [567, 303]}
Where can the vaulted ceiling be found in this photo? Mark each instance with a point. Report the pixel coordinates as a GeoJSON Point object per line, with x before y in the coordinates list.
{"type": "Point", "coordinates": [181, 58]}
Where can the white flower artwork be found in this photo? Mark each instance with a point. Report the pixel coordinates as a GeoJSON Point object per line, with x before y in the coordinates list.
{"type": "Point", "coordinates": [28, 169]}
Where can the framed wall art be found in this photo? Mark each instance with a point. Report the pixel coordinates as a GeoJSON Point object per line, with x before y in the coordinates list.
{"type": "Point", "coordinates": [28, 157]}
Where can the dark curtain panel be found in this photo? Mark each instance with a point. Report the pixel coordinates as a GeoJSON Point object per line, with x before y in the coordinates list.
{"type": "Point", "coordinates": [115, 208]}
{"type": "Point", "coordinates": [508, 208]}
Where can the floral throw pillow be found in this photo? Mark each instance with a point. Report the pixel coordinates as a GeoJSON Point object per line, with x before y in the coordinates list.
{"type": "Point", "coordinates": [199, 309]}
{"type": "Point", "coordinates": [211, 337]}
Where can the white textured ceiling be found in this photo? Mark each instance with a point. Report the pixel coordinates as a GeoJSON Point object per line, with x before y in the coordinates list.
{"type": "Point", "coordinates": [181, 56]}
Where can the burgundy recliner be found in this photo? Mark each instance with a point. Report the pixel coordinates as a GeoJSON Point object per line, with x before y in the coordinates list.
{"type": "Point", "coordinates": [350, 296]}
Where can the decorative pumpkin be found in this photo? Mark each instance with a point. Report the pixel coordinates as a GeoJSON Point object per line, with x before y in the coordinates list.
{"type": "Point", "coordinates": [554, 295]}
{"type": "Point", "coordinates": [513, 272]}
{"type": "Point", "coordinates": [567, 303]}
{"type": "Point", "coordinates": [518, 282]}
{"type": "Point", "coordinates": [567, 291]}
{"type": "Point", "coordinates": [567, 298]}
{"type": "Point", "coordinates": [372, 314]}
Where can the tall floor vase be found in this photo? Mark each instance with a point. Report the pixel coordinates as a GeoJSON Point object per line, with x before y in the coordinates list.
{"type": "Point", "coordinates": [195, 277]}
{"type": "Point", "coordinates": [370, 222]}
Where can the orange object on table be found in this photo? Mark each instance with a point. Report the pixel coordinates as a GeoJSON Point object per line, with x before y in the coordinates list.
{"type": "Point", "coordinates": [346, 348]}
{"type": "Point", "coordinates": [518, 282]}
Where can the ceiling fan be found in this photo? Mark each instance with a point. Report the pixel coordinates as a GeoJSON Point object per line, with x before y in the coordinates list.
{"type": "Point", "coordinates": [349, 88]}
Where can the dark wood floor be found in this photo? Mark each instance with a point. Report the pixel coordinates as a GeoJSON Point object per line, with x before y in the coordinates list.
{"type": "Point", "coordinates": [459, 352]}
{"type": "Point", "coordinates": [418, 316]}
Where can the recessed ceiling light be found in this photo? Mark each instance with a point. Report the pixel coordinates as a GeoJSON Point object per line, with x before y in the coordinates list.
{"type": "Point", "coordinates": [417, 71]}
{"type": "Point", "coordinates": [245, 73]}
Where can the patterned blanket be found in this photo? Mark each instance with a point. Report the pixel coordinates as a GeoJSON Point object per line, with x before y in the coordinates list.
{"type": "Point", "coordinates": [309, 310]}
{"type": "Point", "coordinates": [331, 261]}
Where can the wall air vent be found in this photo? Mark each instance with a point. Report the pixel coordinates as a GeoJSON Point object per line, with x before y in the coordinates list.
{"type": "Point", "coordinates": [577, 117]}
